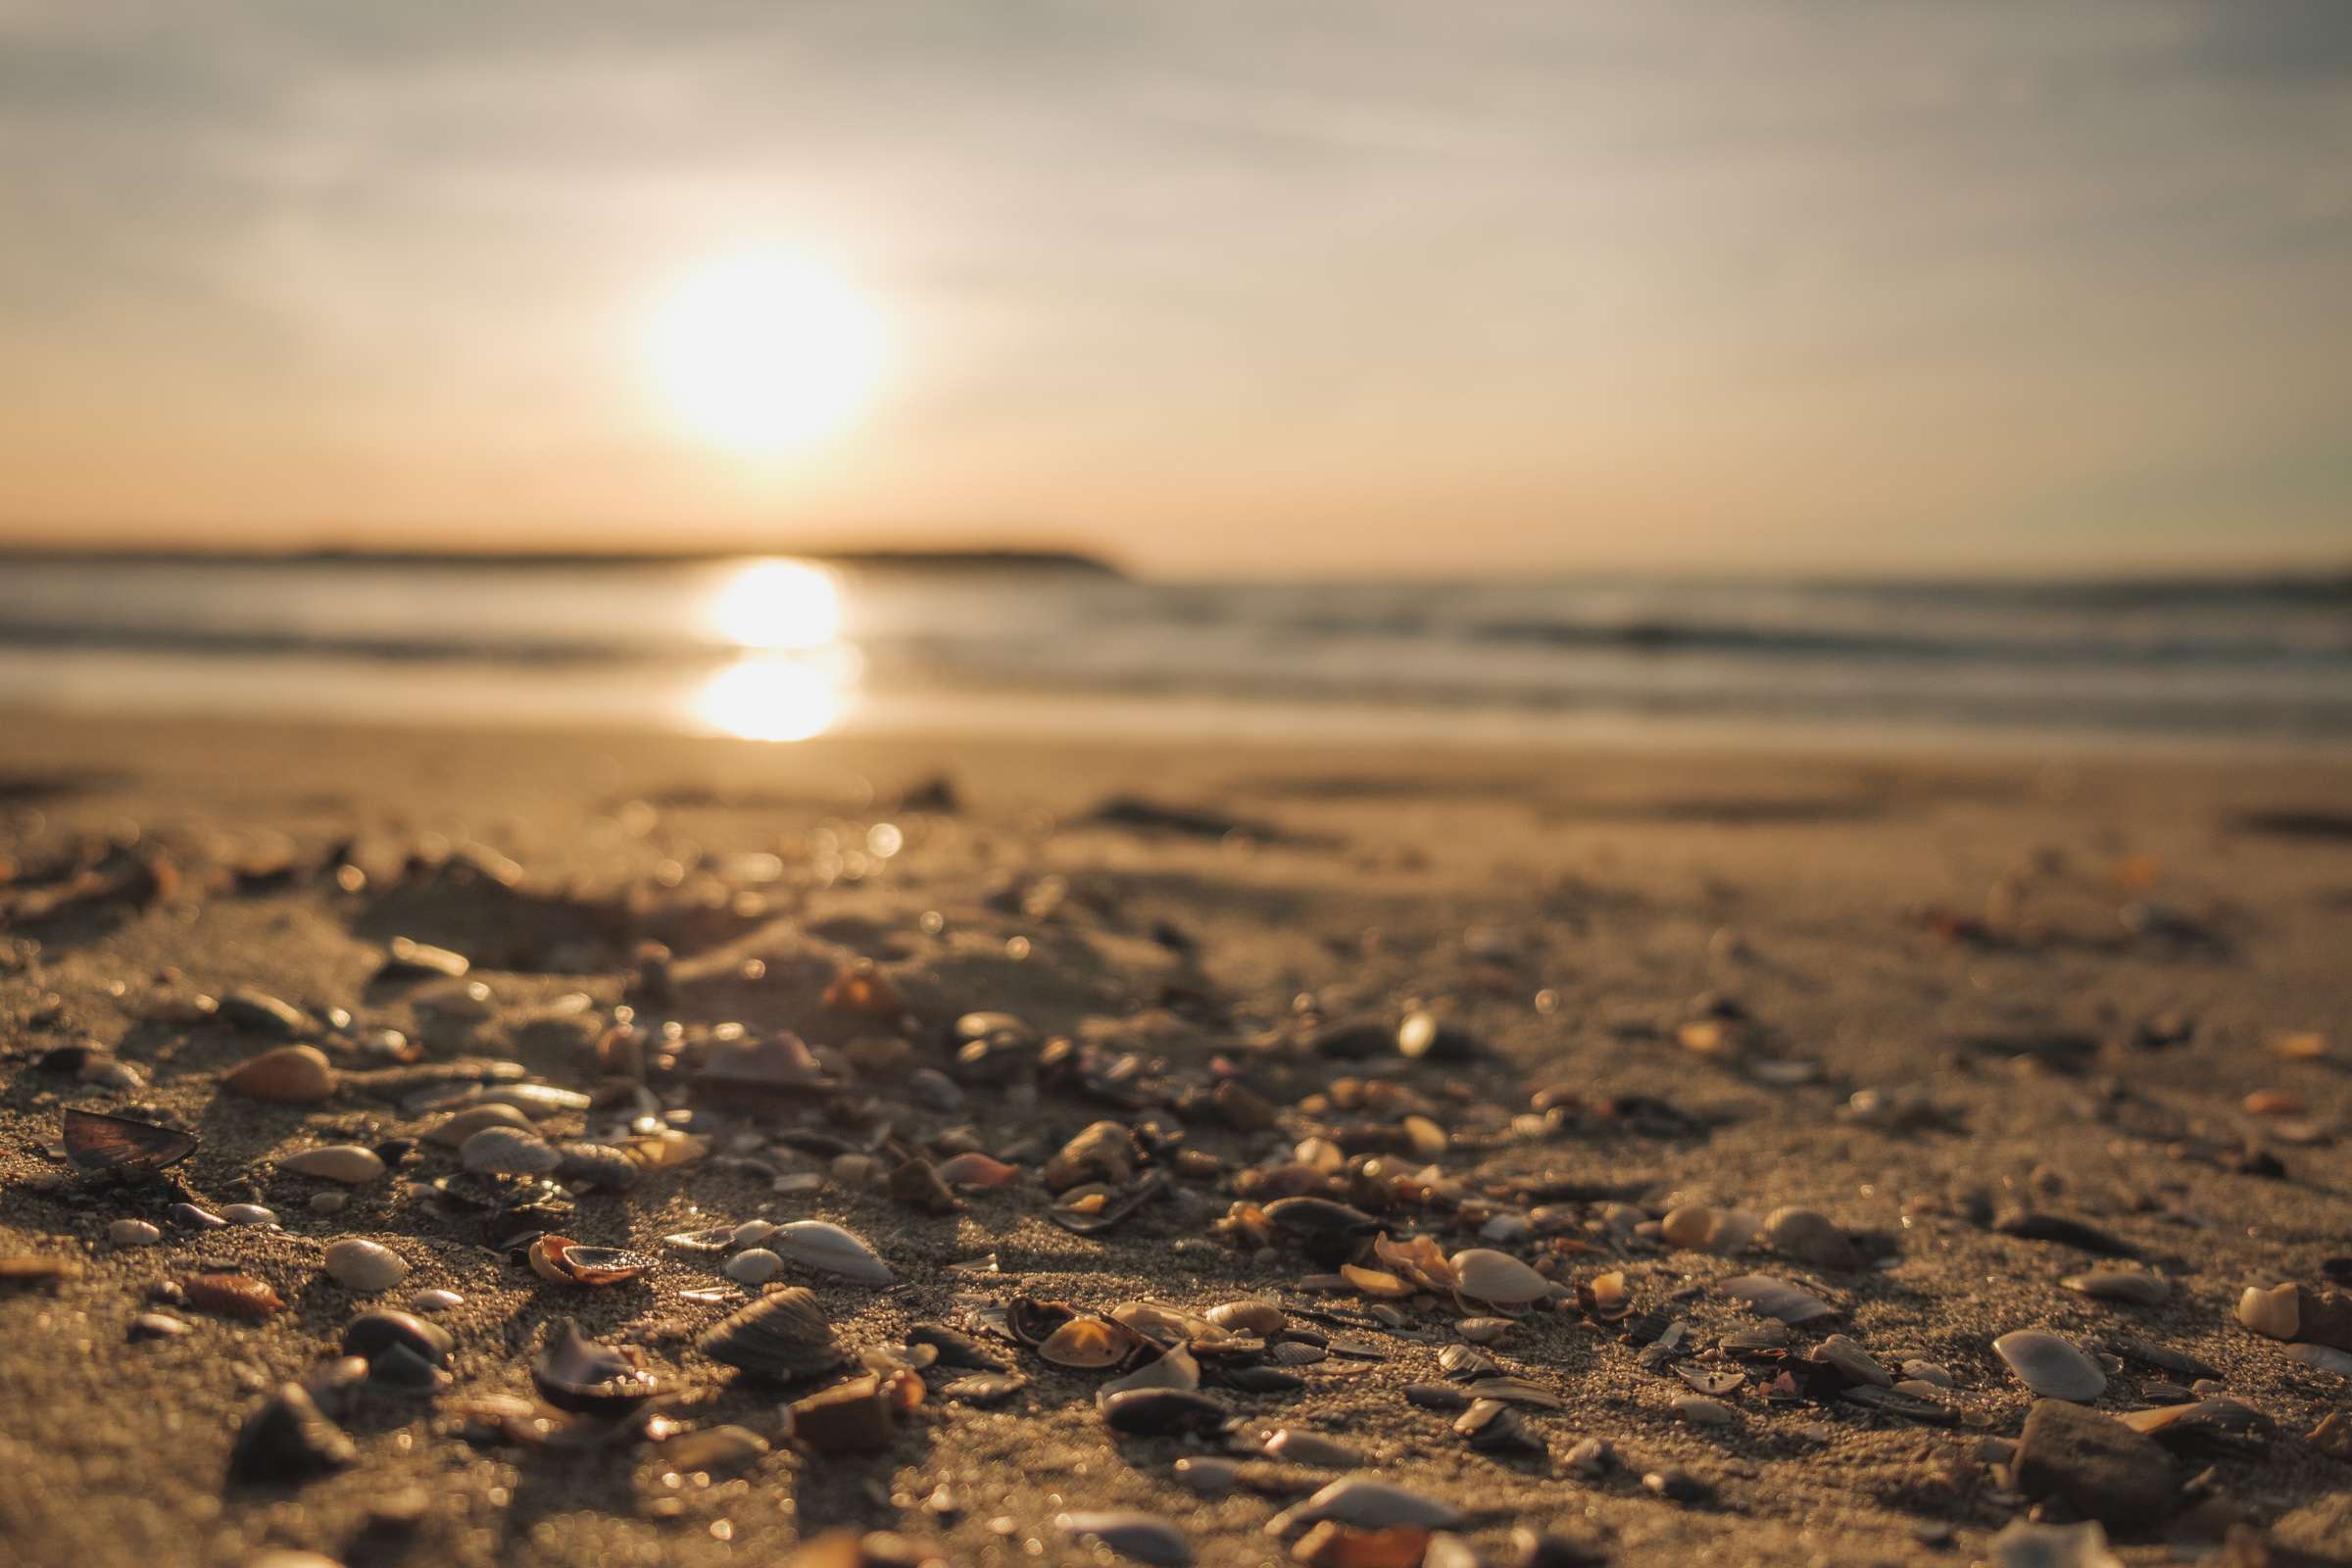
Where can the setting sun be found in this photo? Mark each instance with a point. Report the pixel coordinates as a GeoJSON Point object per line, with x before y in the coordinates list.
{"type": "Point", "coordinates": [765, 352]}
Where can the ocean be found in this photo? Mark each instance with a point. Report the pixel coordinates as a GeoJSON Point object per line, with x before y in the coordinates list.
{"type": "Point", "coordinates": [777, 648]}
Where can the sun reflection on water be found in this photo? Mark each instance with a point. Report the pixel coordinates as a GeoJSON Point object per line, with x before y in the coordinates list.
{"type": "Point", "coordinates": [797, 676]}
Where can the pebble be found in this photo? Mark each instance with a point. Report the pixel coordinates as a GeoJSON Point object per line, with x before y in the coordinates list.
{"type": "Point", "coordinates": [2051, 1366]}
{"type": "Point", "coordinates": [157, 1326]}
{"type": "Point", "coordinates": [329, 1203]}
{"type": "Point", "coordinates": [348, 1163]}
{"type": "Point", "coordinates": [436, 1299]}
{"type": "Point", "coordinates": [364, 1266]}
{"type": "Point", "coordinates": [133, 1233]}
{"type": "Point", "coordinates": [249, 1215]}
{"type": "Point", "coordinates": [753, 1267]}
{"type": "Point", "coordinates": [2099, 1467]}
{"type": "Point", "coordinates": [1211, 1477]}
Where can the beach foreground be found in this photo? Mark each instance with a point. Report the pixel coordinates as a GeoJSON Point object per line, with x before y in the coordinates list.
{"type": "Point", "coordinates": [1996, 1018]}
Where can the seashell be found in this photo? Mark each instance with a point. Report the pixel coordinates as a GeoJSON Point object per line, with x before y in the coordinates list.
{"type": "Point", "coordinates": [1144, 1536]}
{"type": "Point", "coordinates": [1499, 1278]}
{"type": "Point", "coordinates": [1163, 1324]}
{"type": "Point", "coordinates": [713, 1451]}
{"type": "Point", "coordinates": [290, 1075]}
{"type": "Point", "coordinates": [2216, 1426]}
{"type": "Point", "coordinates": [262, 1013]}
{"type": "Point", "coordinates": [232, 1296]}
{"type": "Point", "coordinates": [1775, 1297]}
{"type": "Point", "coordinates": [1516, 1390]}
{"type": "Point", "coordinates": [1906, 1405]}
{"type": "Point", "coordinates": [2275, 1312]}
{"type": "Point", "coordinates": [854, 1417]}
{"type": "Point", "coordinates": [1174, 1368]}
{"type": "Point", "coordinates": [1331, 1544]}
{"type": "Point", "coordinates": [1711, 1380]}
{"type": "Point", "coordinates": [1694, 1411]}
{"type": "Point", "coordinates": [2327, 1357]}
{"type": "Point", "coordinates": [976, 1170]}
{"type": "Point", "coordinates": [455, 1129]}
{"type": "Point", "coordinates": [561, 1259]}
{"type": "Point", "coordinates": [508, 1151]}
{"type": "Point", "coordinates": [2021, 1545]}
{"type": "Point", "coordinates": [1292, 1445]}
{"type": "Point", "coordinates": [1250, 1315]}
{"type": "Point", "coordinates": [984, 1387]}
{"type": "Point", "coordinates": [1852, 1361]}
{"type": "Point", "coordinates": [1423, 1035]}
{"type": "Point", "coordinates": [780, 1063]}
{"type": "Point", "coordinates": [158, 1326]}
{"type": "Point", "coordinates": [1492, 1426]}
{"type": "Point", "coordinates": [1375, 1283]}
{"type": "Point", "coordinates": [752, 1233]}
{"type": "Point", "coordinates": [1811, 1238]}
{"type": "Point", "coordinates": [459, 1001]}
{"type": "Point", "coordinates": [1209, 1477]}
{"type": "Point", "coordinates": [419, 961]}
{"type": "Point", "coordinates": [249, 1215]}
{"type": "Point", "coordinates": [1326, 1231]}
{"type": "Point", "coordinates": [1689, 1226]}
{"type": "Point", "coordinates": [2051, 1366]}
{"type": "Point", "coordinates": [1467, 1362]}
{"type": "Point", "coordinates": [372, 1333]}
{"type": "Point", "coordinates": [918, 1184]}
{"type": "Point", "coordinates": [2137, 1286]}
{"type": "Point", "coordinates": [1297, 1352]}
{"type": "Point", "coordinates": [1435, 1396]}
{"type": "Point", "coordinates": [288, 1439]}
{"type": "Point", "coordinates": [575, 1373]}
{"type": "Point", "coordinates": [397, 1368]}
{"type": "Point", "coordinates": [436, 1301]}
{"type": "Point", "coordinates": [99, 1145]}
{"type": "Point", "coordinates": [755, 1265]}
{"type": "Point", "coordinates": [1029, 1321]}
{"type": "Point", "coordinates": [1104, 1152]}
{"type": "Point", "coordinates": [782, 1335]}
{"type": "Point", "coordinates": [595, 1166]}
{"type": "Point", "coordinates": [1163, 1413]}
{"type": "Point", "coordinates": [1088, 1343]}
{"type": "Point", "coordinates": [536, 1101]}
{"type": "Point", "coordinates": [187, 1216]}
{"type": "Point", "coordinates": [713, 1239]}
{"type": "Point", "coordinates": [950, 1348]}
{"type": "Point", "coordinates": [133, 1233]}
{"type": "Point", "coordinates": [364, 1266]}
{"type": "Point", "coordinates": [830, 1249]}
{"type": "Point", "coordinates": [348, 1163]}
{"type": "Point", "coordinates": [1367, 1505]}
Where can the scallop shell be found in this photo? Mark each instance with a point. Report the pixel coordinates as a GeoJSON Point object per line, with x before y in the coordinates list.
{"type": "Point", "coordinates": [1144, 1536]}
{"type": "Point", "coordinates": [1499, 1278]}
{"type": "Point", "coordinates": [575, 1373]}
{"type": "Point", "coordinates": [830, 1249]}
{"type": "Point", "coordinates": [1367, 1505]}
{"type": "Point", "coordinates": [2052, 1367]}
{"type": "Point", "coordinates": [232, 1296]}
{"type": "Point", "coordinates": [1777, 1297]}
{"type": "Point", "coordinates": [290, 1075]}
{"type": "Point", "coordinates": [364, 1266]}
{"type": "Point", "coordinates": [782, 1335]}
{"type": "Point", "coordinates": [348, 1163]}
{"type": "Point", "coordinates": [99, 1145]}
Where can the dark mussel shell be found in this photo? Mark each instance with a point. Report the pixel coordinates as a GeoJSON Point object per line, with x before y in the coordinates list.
{"type": "Point", "coordinates": [1117, 1209]}
{"type": "Point", "coordinates": [1328, 1232]}
{"type": "Point", "coordinates": [370, 1334]}
{"type": "Point", "coordinates": [288, 1439]}
{"type": "Point", "coordinates": [1163, 1413]}
{"type": "Point", "coordinates": [575, 1373]}
{"type": "Point", "coordinates": [783, 1336]}
{"type": "Point", "coordinates": [100, 1145]}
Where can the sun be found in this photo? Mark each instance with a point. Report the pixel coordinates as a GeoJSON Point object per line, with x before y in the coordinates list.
{"type": "Point", "coordinates": [764, 352]}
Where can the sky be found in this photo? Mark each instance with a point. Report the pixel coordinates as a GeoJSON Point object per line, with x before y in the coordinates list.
{"type": "Point", "coordinates": [1214, 286]}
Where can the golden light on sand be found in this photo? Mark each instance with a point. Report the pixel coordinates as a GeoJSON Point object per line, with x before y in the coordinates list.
{"type": "Point", "coordinates": [771, 697]}
{"type": "Point", "coordinates": [765, 352]}
{"type": "Point", "coordinates": [776, 604]}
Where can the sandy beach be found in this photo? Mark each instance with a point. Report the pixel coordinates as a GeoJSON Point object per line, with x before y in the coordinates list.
{"type": "Point", "coordinates": [1976, 1010]}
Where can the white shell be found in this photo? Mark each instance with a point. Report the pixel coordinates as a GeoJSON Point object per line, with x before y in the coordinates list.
{"type": "Point", "coordinates": [1855, 1362]}
{"type": "Point", "coordinates": [1498, 1277]}
{"type": "Point", "coordinates": [752, 1233]}
{"type": "Point", "coordinates": [436, 1301]}
{"type": "Point", "coordinates": [336, 1162]}
{"type": "Point", "coordinates": [133, 1233]}
{"type": "Point", "coordinates": [1311, 1449]}
{"type": "Point", "coordinates": [2051, 1366]}
{"type": "Point", "coordinates": [753, 1267]}
{"type": "Point", "coordinates": [509, 1151]}
{"type": "Point", "coordinates": [2274, 1312]}
{"type": "Point", "coordinates": [814, 1243]}
{"type": "Point", "coordinates": [1773, 1296]}
{"type": "Point", "coordinates": [365, 1266]}
{"type": "Point", "coordinates": [1366, 1504]}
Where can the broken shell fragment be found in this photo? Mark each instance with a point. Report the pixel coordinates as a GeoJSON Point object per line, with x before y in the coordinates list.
{"type": "Point", "coordinates": [290, 1075]}
{"type": "Point", "coordinates": [858, 1416]}
{"type": "Point", "coordinates": [348, 1163]}
{"type": "Point", "coordinates": [830, 1249]}
{"type": "Point", "coordinates": [561, 1259]}
{"type": "Point", "coordinates": [575, 1373]}
{"type": "Point", "coordinates": [783, 1336]}
{"type": "Point", "coordinates": [1777, 1297]}
{"type": "Point", "coordinates": [2275, 1312]}
{"type": "Point", "coordinates": [976, 1170]}
{"type": "Point", "coordinates": [288, 1439]}
{"type": "Point", "coordinates": [2051, 1366]}
{"type": "Point", "coordinates": [99, 1145]}
{"type": "Point", "coordinates": [2137, 1286]}
{"type": "Point", "coordinates": [1104, 1152]}
{"type": "Point", "coordinates": [364, 1266]}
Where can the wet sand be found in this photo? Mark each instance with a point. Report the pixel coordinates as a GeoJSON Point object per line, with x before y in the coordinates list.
{"type": "Point", "coordinates": [1912, 993]}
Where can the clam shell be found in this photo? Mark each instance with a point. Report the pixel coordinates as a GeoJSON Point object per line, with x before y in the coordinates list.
{"type": "Point", "coordinates": [364, 1266]}
{"type": "Point", "coordinates": [1856, 1363]}
{"type": "Point", "coordinates": [1173, 1369]}
{"type": "Point", "coordinates": [830, 1249]}
{"type": "Point", "coordinates": [1777, 1297]}
{"type": "Point", "coordinates": [1499, 1278]}
{"type": "Point", "coordinates": [1250, 1315]}
{"type": "Point", "coordinates": [372, 1333]}
{"type": "Point", "coordinates": [99, 1145]}
{"type": "Point", "coordinates": [852, 1417]}
{"type": "Point", "coordinates": [575, 1373]}
{"type": "Point", "coordinates": [560, 1257]}
{"type": "Point", "coordinates": [2051, 1366]}
{"type": "Point", "coordinates": [1164, 1412]}
{"type": "Point", "coordinates": [1144, 1536]}
{"type": "Point", "coordinates": [1089, 1343]}
{"type": "Point", "coordinates": [336, 1162]}
{"type": "Point", "coordinates": [508, 1151]}
{"type": "Point", "coordinates": [290, 1075]}
{"type": "Point", "coordinates": [782, 1335]}
{"type": "Point", "coordinates": [1367, 1505]}
{"type": "Point", "coordinates": [755, 1265]}
{"type": "Point", "coordinates": [1164, 1324]}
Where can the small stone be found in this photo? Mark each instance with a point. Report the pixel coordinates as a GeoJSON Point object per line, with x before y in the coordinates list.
{"type": "Point", "coordinates": [364, 1266]}
{"type": "Point", "coordinates": [436, 1301]}
{"type": "Point", "coordinates": [249, 1215]}
{"type": "Point", "coordinates": [348, 1163]}
{"type": "Point", "coordinates": [1689, 1226]}
{"type": "Point", "coordinates": [329, 1203]}
{"type": "Point", "coordinates": [133, 1233]}
{"type": "Point", "coordinates": [752, 1267]}
{"type": "Point", "coordinates": [2102, 1469]}
{"type": "Point", "coordinates": [2051, 1366]}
